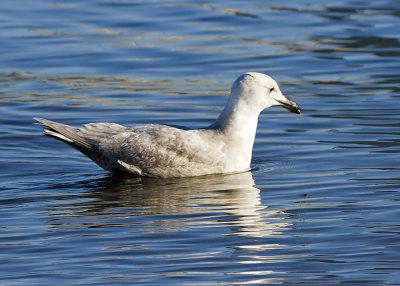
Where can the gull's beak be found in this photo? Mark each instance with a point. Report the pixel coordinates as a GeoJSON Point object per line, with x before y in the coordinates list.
{"type": "Point", "coordinates": [289, 105]}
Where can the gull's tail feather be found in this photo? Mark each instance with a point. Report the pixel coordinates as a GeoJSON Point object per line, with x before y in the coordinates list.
{"type": "Point", "coordinates": [85, 139]}
{"type": "Point", "coordinates": [65, 133]}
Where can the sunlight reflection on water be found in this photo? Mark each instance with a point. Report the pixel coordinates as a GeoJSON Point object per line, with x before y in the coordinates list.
{"type": "Point", "coordinates": [321, 203]}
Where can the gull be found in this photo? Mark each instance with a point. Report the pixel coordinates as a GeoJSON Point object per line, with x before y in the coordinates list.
{"type": "Point", "coordinates": [156, 150]}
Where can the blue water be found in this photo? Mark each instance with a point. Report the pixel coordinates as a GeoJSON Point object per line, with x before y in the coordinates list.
{"type": "Point", "coordinates": [321, 204]}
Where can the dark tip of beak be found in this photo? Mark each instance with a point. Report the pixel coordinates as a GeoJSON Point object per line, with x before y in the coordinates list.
{"type": "Point", "coordinates": [290, 105]}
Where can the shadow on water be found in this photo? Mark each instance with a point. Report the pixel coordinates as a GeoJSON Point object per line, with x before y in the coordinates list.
{"type": "Point", "coordinates": [221, 200]}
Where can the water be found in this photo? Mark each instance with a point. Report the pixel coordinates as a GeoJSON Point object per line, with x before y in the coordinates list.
{"type": "Point", "coordinates": [321, 205]}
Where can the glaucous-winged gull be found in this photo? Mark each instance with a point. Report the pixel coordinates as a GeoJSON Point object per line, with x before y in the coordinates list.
{"type": "Point", "coordinates": [165, 151]}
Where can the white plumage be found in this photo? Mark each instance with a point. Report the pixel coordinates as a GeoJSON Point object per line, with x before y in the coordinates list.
{"type": "Point", "coordinates": [165, 151]}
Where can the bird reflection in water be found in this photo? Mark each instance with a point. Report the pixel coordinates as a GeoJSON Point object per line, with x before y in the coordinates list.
{"type": "Point", "coordinates": [230, 201]}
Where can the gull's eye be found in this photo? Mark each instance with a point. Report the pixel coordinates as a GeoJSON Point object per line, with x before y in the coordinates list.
{"type": "Point", "coordinates": [271, 89]}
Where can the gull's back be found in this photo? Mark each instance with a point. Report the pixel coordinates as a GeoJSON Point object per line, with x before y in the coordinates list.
{"type": "Point", "coordinates": [149, 150]}
{"type": "Point", "coordinates": [165, 151]}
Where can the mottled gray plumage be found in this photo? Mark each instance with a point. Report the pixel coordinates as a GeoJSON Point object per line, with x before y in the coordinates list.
{"type": "Point", "coordinates": [165, 151]}
{"type": "Point", "coordinates": [148, 150]}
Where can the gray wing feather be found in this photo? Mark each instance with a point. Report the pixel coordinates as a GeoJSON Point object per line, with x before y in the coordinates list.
{"type": "Point", "coordinates": [87, 140]}
{"type": "Point", "coordinates": [165, 151]}
{"type": "Point", "coordinates": [64, 133]}
{"type": "Point", "coordinates": [151, 150]}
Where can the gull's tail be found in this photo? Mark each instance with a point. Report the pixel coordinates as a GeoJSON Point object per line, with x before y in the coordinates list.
{"type": "Point", "coordinates": [86, 139]}
{"type": "Point", "coordinates": [65, 133]}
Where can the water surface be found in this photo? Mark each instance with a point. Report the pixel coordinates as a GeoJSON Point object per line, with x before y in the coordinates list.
{"type": "Point", "coordinates": [321, 204]}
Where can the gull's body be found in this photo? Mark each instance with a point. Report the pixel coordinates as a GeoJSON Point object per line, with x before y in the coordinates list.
{"type": "Point", "coordinates": [165, 151]}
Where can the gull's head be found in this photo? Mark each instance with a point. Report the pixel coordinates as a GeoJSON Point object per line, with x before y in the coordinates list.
{"type": "Point", "coordinates": [260, 91]}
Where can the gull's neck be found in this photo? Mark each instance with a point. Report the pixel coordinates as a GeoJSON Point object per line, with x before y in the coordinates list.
{"type": "Point", "coordinates": [238, 124]}
{"type": "Point", "coordinates": [237, 119]}
{"type": "Point", "coordinates": [239, 116]}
